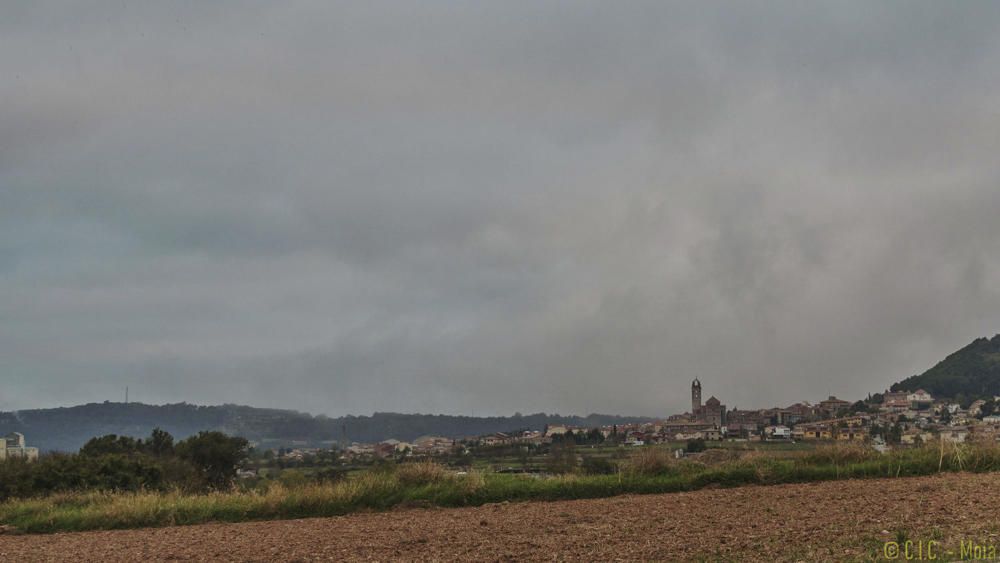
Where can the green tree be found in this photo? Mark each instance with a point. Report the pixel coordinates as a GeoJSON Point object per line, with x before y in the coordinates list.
{"type": "Point", "coordinates": [562, 457]}
{"type": "Point", "coordinates": [695, 445]}
{"type": "Point", "coordinates": [895, 434]}
{"type": "Point", "coordinates": [945, 415]}
{"type": "Point", "coordinates": [215, 455]}
{"type": "Point", "coordinates": [161, 443]}
{"type": "Point", "coordinates": [522, 456]}
{"type": "Point", "coordinates": [988, 408]}
{"type": "Point", "coordinates": [111, 444]}
{"type": "Point", "coordinates": [594, 465]}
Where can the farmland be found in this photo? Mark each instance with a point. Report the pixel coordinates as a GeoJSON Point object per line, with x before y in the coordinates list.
{"type": "Point", "coordinates": [645, 471]}
{"type": "Point", "coordinates": [829, 521]}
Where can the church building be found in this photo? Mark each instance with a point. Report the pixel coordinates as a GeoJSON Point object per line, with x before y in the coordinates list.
{"type": "Point", "coordinates": [712, 412]}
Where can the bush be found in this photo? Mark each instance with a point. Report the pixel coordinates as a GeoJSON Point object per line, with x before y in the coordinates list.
{"type": "Point", "coordinates": [650, 470]}
{"type": "Point", "coordinates": [695, 445]}
{"type": "Point", "coordinates": [421, 473]}
{"type": "Point", "coordinates": [651, 461]}
{"type": "Point", "coordinates": [292, 478]}
{"type": "Point", "coordinates": [598, 466]}
{"type": "Point", "coordinates": [216, 455]}
{"type": "Point", "coordinates": [331, 475]}
{"type": "Point", "coordinates": [122, 463]}
{"type": "Point", "coordinates": [562, 458]}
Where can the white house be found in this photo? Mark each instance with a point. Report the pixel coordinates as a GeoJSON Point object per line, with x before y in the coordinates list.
{"type": "Point", "coordinates": [12, 446]}
{"type": "Point", "coordinates": [920, 399]}
{"type": "Point", "coordinates": [954, 434]}
{"type": "Point", "coordinates": [555, 430]}
{"type": "Point", "coordinates": [778, 432]}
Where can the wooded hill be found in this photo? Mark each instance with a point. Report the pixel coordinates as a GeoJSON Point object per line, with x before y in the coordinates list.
{"type": "Point", "coordinates": [972, 372]}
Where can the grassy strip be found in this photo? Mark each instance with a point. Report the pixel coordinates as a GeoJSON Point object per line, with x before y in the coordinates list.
{"type": "Point", "coordinates": [433, 486]}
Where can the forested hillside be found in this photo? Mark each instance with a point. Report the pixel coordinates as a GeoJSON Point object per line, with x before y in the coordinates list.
{"type": "Point", "coordinates": [972, 372]}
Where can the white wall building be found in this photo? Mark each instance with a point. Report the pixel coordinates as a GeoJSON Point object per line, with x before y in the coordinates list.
{"type": "Point", "coordinates": [920, 399]}
{"type": "Point", "coordinates": [780, 432]}
{"type": "Point", "coordinates": [12, 446]}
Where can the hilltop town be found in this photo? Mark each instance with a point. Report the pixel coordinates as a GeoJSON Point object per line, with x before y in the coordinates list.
{"type": "Point", "coordinates": [891, 418]}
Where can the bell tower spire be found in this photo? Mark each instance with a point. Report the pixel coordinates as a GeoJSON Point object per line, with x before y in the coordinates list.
{"type": "Point", "coordinates": [695, 396]}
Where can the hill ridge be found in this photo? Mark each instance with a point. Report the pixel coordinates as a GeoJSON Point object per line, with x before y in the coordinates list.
{"type": "Point", "coordinates": [969, 372]}
{"type": "Point", "coordinates": [67, 428]}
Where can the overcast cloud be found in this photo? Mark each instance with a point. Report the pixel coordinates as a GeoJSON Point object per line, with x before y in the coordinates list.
{"type": "Point", "coordinates": [493, 207]}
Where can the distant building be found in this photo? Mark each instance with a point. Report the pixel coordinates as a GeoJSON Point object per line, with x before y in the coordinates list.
{"type": "Point", "coordinates": [895, 401]}
{"type": "Point", "coordinates": [695, 396]}
{"type": "Point", "coordinates": [684, 428]}
{"type": "Point", "coordinates": [778, 432]}
{"type": "Point", "coordinates": [711, 434]}
{"type": "Point", "coordinates": [976, 408]}
{"type": "Point", "coordinates": [832, 405]}
{"type": "Point", "coordinates": [712, 412]}
{"type": "Point", "coordinates": [795, 413]}
{"type": "Point", "coordinates": [556, 430]}
{"type": "Point", "coordinates": [954, 434]}
{"type": "Point", "coordinates": [12, 446]}
{"type": "Point", "coordinates": [433, 445]}
{"type": "Point", "coordinates": [920, 400]}
{"type": "Point", "coordinates": [497, 439]}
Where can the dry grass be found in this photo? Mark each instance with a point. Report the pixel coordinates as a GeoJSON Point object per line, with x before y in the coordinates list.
{"type": "Point", "coordinates": [422, 473]}
{"type": "Point", "coordinates": [650, 462]}
{"type": "Point", "coordinates": [722, 455]}
{"type": "Point", "coordinates": [840, 454]}
{"type": "Point", "coordinates": [976, 455]}
{"type": "Point", "coordinates": [649, 470]}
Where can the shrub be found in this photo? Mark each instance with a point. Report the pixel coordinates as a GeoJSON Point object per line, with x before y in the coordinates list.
{"type": "Point", "coordinates": [694, 446]}
{"type": "Point", "coordinates": [562, 458]}
{"type": "Point", "coordinates": [651, 461]}
{"type": "Point", "coordinates": [330, 475]}
{"type": "Point", "coordinates": [649, 470]}
{"type": "Point", "coordinates": [593, 465]}
{"type": "Point", "coordinates": [719, 456]}
{"type": "Point", "coordinates": [421, 473]}
{"type": "Point", "coordinates": [292, 478]}
{"type": "Point", "coordinates": [215, 454]}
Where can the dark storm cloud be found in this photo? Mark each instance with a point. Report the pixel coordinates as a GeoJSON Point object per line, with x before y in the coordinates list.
{"type": "Point", "coordinates": [347, 207]}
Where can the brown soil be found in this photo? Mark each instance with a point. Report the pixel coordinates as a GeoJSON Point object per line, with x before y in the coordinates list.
{"type": "Point", "coordinates": [833, 521]}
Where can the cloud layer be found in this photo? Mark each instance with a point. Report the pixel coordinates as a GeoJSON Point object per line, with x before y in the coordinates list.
{"type": "Point", "coordinates": [493, 207]}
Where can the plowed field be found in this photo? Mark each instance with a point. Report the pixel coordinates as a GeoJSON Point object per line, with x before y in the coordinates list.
{"type": "Point", "coordinates": [832, 521]}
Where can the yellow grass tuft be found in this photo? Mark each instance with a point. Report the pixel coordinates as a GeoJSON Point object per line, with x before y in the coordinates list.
{"type": "Point", "coordinates": [422, 473]}
{"type": "Point", "coordinates": [650, 461]}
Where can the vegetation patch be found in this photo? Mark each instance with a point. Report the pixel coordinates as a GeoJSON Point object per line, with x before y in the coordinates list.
{"type": "Point", "coordinates": [649, 470]}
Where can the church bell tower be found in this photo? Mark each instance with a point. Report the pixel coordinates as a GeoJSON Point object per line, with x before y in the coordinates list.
{"type": "Point", "coordinates": [695, 396]}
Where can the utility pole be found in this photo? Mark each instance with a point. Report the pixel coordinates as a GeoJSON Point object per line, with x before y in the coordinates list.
{"type": "Point", "coordinates": [126, 394]}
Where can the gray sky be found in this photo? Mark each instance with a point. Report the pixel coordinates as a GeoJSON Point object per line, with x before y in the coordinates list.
{"type": "Point", "coordinates": [493, 207]}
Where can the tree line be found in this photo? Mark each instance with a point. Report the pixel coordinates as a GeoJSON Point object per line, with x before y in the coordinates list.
{"type": "Point", "coordinates": [202, 462]}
